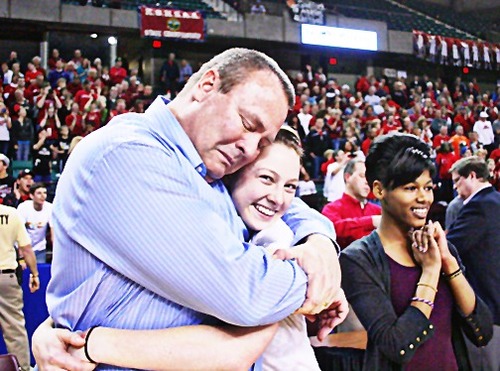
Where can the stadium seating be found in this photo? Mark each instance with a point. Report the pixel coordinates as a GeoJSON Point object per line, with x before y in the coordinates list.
{"type": "Point", "coordinates": [466, 22]}
{"type": "Point", "coordinates": [397, 18]}
{"type": "Point", "coordinates": [206, 9]}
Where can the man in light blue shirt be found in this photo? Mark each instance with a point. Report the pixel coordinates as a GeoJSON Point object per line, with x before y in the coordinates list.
{"type": "Point", "coordinates": [146, 235]}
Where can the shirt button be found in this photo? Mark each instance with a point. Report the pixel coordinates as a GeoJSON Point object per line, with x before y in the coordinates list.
{"type": "Point", "coordinates": [431, 326]}
{"type": "Point", "coordinates": [477, 329]}
{"type": "Point", "coordinates": [480, 338]}
{"type": "Point", "coordinates": [402, 352]}
{"type": "Point", "coordinates": [418, 340]}
{"type": "Point", "coordinates": [424, 332]}
{"type": "Point", "coordinates": [411, 346]}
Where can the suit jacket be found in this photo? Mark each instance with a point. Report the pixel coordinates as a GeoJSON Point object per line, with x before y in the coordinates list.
{"type": "Point", "coordinates": [476, 235]}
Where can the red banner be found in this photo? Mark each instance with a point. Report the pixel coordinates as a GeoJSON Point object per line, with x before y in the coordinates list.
{"type": "Point", "coordinates": [172, 23]}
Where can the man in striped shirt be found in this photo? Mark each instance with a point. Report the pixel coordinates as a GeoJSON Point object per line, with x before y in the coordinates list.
{"type": "Point", "coordinates": [174, 256]}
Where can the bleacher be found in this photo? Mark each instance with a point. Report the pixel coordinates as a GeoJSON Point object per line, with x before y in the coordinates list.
{"type": "Point", "coordinates": [191, 5]}
{"type": "Point", "coordinates": [467, 22]}
{"type": "Point", "coordinates": [397, 18]}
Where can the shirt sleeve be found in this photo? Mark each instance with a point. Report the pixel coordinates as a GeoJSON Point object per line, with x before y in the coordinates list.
{"type": "Point", "coordinates": [304, 221]}
{"type": "Point", "coordinates": [22, 238]}
{"type": "Point", "coordinates": [154, 225]}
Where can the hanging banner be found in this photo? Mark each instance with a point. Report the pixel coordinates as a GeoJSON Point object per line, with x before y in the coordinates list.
{"type": "Point", "coordinates": [456, 52]}
{"type": "Point", "coordinates": [172, 23]}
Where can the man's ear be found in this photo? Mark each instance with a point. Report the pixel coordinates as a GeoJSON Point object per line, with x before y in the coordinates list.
{"type": "Point", "coordinates": [378, 190]}
{"type": "Point", "coordinates": [207, 84]}
{"type": "Point", "coordinates": [347, 176]}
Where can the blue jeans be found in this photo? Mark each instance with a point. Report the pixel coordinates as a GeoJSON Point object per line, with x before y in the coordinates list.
{"type": "Point", "coordinates": [317, 161]}
{"type": "Point", "coordinates": [23, 150]}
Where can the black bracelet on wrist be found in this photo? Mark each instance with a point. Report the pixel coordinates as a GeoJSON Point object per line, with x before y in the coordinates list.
{"type": "Point", "coordinates": [452, 275]}
{"type": "Point", "coordinates": [85, 348]}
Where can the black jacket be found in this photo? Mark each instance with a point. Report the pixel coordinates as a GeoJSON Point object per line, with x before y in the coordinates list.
{"type": "Point", "coordinates": [393, 340]}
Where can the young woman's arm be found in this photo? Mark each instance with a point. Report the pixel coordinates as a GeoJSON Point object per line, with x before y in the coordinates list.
{"type": "Point", "coordinates": [188, 347]}
{"type": "Point", "coordinates": [363, 280]}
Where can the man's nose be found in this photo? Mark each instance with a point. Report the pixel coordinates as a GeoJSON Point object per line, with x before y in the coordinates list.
{"type": "Point", "coordinates": [250, 145]}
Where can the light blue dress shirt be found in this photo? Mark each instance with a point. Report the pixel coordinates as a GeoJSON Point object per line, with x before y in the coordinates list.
{"type": "Point", "coordinates": [142, 241]}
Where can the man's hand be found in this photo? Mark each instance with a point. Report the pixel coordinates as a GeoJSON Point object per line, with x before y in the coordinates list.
{"type": "Point", "coordinates": [50, 348]}
{"type": "Point", "coordinates": [318, 258]}
{"type": "Point", "coordinates": [17, 193]}
{"type": "Point", "coordinates": [34, 283]}
{"type": "Point", "coordinates": [331, 317]}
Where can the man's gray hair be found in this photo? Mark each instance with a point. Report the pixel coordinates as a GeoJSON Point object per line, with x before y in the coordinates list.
{"type": "Point", "coordinates": [350, 167]}
{"type": "Point", "coordinates": [234, 67]}
{"type": "Point", "coordinates": [467, 165]}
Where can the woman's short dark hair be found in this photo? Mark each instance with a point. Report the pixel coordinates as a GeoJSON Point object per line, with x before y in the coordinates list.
{"type": "Point", "coordinates": [395, 159]}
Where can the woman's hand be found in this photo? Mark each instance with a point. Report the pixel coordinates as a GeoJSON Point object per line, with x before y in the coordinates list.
{"type": "Point", "coordinates": [425, 248]}
{"type": "Point", "coordinates": [448, 261]}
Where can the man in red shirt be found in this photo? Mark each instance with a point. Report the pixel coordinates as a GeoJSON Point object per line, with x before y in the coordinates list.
{"type": "Point", "coordinates": [84, 95]}
{"type": "Point", "coordinates": [352, 216]}
{"type": "Point", "coordinates": [74, 120]}
{"type": "Point", "coordinates": [117, 73]}
{"type": "Point", "coordinates": [441, 137]}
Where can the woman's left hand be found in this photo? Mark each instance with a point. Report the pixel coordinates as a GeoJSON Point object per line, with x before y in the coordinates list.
{"type": "Point", "coordinates": [447, 259]}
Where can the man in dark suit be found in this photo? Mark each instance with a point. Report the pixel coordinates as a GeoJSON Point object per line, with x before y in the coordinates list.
{"type": "Point", "coordinates": [476, 234]}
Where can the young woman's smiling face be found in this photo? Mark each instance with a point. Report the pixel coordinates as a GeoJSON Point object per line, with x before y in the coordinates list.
{"type": "Point", "coordinates": [409, 203]}
{"type": "Point", "coordinates": [264, 190]}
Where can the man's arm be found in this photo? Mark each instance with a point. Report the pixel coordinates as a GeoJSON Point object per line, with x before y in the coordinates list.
{"type": "Point", "coordinates": [25, 250]}
{"type": "Point", "coordinates": [30, 258]}
{"type": "Point", "coordinates": [177, 242]}
{"type": "Point", "coordinates": [316, 255]}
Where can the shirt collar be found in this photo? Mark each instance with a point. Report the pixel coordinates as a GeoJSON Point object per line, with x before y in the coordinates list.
{"type": "Point", "coordinates": [355, 201]}
{"type": "Point", "coordinates": [467, 200]}
{"type": "Point", "coordinates": [169, 127]}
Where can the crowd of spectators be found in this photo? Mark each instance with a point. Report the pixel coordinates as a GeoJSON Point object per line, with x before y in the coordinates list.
{"type": "Point", "coordinates": [335, 121]}
{"type": "Point", "coordinates": [42, 110]}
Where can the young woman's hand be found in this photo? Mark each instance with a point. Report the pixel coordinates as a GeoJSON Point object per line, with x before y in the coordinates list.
{"type": "Point", "coordinates": [447, 259]}
{"type": "Point", "coordinates": [425, 248]}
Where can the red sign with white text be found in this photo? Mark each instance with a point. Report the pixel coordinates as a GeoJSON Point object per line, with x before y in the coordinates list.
{"type": "Point", "coordinates": [172, 23]}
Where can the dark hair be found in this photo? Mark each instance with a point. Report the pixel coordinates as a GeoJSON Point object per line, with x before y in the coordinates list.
{"type": "Point", "coordinates": [445, 147]}
{"type": "Point", "coordinates": [36, 186]}
{"type": "Point", "coordinates": [467, 165]}
{"type": "Point", "coordinates": [395, 159]}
